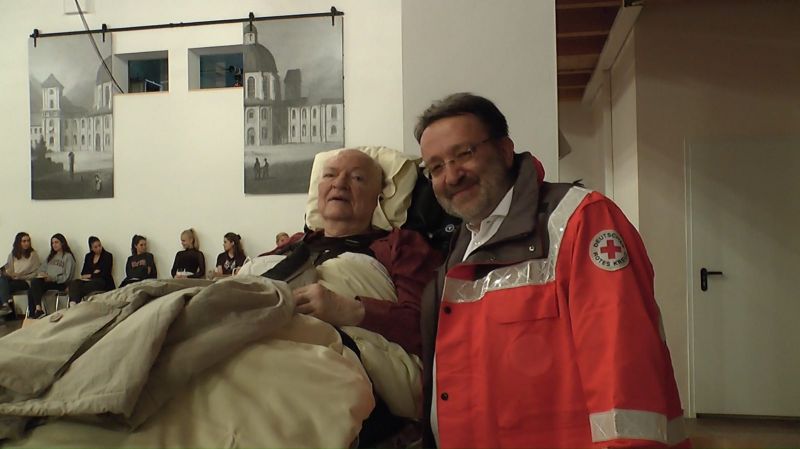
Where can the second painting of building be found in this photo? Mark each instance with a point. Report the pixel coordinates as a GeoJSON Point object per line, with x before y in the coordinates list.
{"type": "Point", "coordinates": [293, 100]}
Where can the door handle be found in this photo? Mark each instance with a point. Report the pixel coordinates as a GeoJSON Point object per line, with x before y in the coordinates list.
{"type": "Point", "coordinates": [704, 274]}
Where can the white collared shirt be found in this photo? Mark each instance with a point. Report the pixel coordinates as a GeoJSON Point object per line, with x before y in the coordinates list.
{"type": "Point", "coordinates": [489, 225]}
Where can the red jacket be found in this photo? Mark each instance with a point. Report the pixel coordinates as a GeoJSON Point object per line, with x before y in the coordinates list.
{"type": "Point", "coordinates": [551, 337]}
{"type": "Point", "coordinates": [411, 263]}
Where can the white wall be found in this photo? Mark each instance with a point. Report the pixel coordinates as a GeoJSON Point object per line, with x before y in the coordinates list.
{"type": "Point", "coordinates": [583, 132]}
{"type": "Point", "coordinates": [178, 155]}
{"type": "Point", "coordinates": [714, 69]}
{"type": "Point", "coordinates": [503, 50]}
{"type": "Point", "coordinates": [623, 131]}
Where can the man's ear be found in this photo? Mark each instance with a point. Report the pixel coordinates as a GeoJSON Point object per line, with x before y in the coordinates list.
{"type": "Point", "coordinates": [507, 150]}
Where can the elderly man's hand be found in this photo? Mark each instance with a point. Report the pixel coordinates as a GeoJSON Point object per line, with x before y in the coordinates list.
{"type": "Point", "coordinates": [319, 302]}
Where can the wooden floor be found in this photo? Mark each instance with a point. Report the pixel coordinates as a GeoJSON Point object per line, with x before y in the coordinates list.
{"type": "Point", "coordinates": [7, 327]}
{"type": "Point", "coordinates": [705, 432]}
{"type": "Point", "coordinates": [726, 432]}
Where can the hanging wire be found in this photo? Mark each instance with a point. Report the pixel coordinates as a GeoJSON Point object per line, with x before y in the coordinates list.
{"type": "Point", "coordinates": [94, 44]}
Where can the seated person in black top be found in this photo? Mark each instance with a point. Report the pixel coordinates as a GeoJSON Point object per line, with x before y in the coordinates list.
{"type": "Point", "coordinates": [141, 264]}
{"type": "Point", "coordinates": [190, 262]}
{"type": "Point", "coordinates": [96, 273]}
{"type": "Point", "coordinates": [229, 261]}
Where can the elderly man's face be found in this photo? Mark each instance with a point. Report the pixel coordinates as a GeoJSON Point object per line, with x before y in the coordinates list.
{"type": "Point", "coordinates": [469, 185]}
{"type": "Point", "coordinates": [349, 189]}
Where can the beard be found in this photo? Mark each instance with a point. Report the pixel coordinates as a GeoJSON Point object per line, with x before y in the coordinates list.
{"type": "Point", "coordinates": [475, 196]}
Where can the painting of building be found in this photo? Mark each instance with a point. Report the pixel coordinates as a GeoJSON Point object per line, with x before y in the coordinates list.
{"type": "Point", "coordinates": [289, 119]}
{"type": "Point", "coordinates": [72, 121]}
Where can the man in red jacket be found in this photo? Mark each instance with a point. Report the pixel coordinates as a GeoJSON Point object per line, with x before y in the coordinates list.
{"type": "Point", "coordinates": [541, 329]}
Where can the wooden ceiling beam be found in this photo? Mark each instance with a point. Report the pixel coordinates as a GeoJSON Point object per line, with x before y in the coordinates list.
{"type": "Point", "coordinates": [597, 21]}
{"type": "Point", "coordinates": [577, 62]}
{"type": "Point", "coordinates": [582, 34]}
{"type": "Point", "coordinates": [580, 45]}
{"type": "Point", "coordinates": [575, 72]}
{"type": "Point", "coordinates": [583, 4]}
{"type": "Point", "coordinates": [582, 28]}
{"type": "Point", "coordinates": [570, 94]}
{"type": "Point", "coordinates": [573, 80]}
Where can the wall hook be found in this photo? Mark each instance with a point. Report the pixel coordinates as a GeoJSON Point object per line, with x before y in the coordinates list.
{"type": "Point", "coordinates": [333, 15]}
{"type": "Point", "coordinates": [104, 28]}
{"type": "Point", "coordinates": [35, 36]}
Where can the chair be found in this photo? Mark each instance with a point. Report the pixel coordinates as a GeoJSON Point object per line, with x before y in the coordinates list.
{"type": "Point", "coordinates": [20, 303]}
{"type": "Point", "coordinates": [427, 217]}
{"type": "Point", "coordinates": [59, 294]}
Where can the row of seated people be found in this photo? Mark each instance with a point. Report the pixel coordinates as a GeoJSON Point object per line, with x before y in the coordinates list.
{"type": "Point", "coordinates": [24, 271]}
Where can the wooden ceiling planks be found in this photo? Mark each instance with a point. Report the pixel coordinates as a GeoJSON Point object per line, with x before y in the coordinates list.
{"type": "Point", "coordinates": [582, 27]}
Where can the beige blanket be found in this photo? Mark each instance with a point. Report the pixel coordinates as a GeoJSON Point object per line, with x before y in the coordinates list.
{"type": "Point", "coordinates": [300, 388]}
{"type": "Point", "coordinates": [396, 374]}
{"type": "Point", "coordinates": [212, 366]}
{"type": "Point", "coordinates": [196, 365]}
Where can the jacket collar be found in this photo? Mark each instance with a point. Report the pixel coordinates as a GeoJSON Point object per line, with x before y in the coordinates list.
{"type": "Point", "coordinates": [521, 218]}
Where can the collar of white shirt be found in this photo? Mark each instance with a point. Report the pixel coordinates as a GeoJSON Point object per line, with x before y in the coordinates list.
{"type": "Point", "coordinates": [489, 225]}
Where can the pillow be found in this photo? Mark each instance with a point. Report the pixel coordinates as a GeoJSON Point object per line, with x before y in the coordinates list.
{"type": "Point", "coordinates": [399, 177]}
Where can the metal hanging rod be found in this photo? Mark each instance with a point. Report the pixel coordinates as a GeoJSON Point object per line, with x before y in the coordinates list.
{"type": "Point", "coordinates": [251, 18]}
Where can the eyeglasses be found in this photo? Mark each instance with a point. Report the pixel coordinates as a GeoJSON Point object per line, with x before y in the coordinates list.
{"type": "Point", "coordinates": [460, 158]}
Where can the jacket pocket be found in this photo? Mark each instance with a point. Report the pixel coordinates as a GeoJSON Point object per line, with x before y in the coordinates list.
{"type": "Point", "coordinates": [524, 303]}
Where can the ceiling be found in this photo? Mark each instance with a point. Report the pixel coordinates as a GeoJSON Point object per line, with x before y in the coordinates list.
{"type": "Point", "coordinates": [582, 27]}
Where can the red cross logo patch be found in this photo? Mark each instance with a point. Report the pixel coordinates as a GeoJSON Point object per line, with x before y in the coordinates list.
{"type": "Point", "coordinates": [608, 251]}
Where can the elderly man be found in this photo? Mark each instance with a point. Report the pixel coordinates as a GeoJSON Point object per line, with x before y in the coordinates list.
{"type": "Point", "coordinates": [541, 329]}
{"type": "Point", "coordinates": [349, 188]}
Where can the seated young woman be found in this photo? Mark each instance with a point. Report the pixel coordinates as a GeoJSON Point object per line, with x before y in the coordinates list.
{"type": "Point", "coordinates": [348, 194]}
{"type": "Point", "coordinates": [54, 274]}
{"type": "Point", "coordinates": [189, 262]}
{"type": "Point", "coordinates": [96, 273]}
{"type": "Point", "coordinates": [20, 268]}
{"type": "Point", "coordinates": [230, 260]}
{"type": "Point", "coordinates": [141, 264]}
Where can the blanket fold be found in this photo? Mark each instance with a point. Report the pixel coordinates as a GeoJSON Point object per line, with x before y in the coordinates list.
{"type": "Point", "coordinates": [121, 355]}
